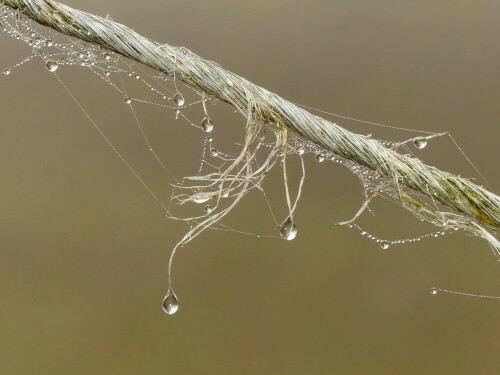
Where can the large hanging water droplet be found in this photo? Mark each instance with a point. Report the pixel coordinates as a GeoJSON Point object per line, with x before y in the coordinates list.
{"type": "Point", "coordinates": [179, 99]}
{"type": "Point", "coordinates": [206, 124]}
{"type": "Point", "coordinates": [170, 302]}
{"type": "Point", "coordinates": [128, 100]}
{"type": "Point", "coordinates": [300, 150]}
{"type": "Point", "coordinates": [320, 158]}
{"type": "Point", "coordinates": [49, 43]}
{"type": "Point", "coordinates": [384, 245]}
{"type": "Point", "coordinates": [6, 72]}
{"type": "Point", "coordinates": [420, 143]}
{"type": "Point", "coordinates": [208, 209]}
{"type": "Point", "coordinates": [214, 152]}
{"type": "Point", "coordinates": [288, 229]}
{"type": "Point", "coordinates": [434, 291]}
{"type": "Point", "coordinates": [52, 65]}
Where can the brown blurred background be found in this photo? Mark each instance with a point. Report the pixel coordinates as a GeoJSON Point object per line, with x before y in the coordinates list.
{"type": "Point", "coordinates": [84, 249]}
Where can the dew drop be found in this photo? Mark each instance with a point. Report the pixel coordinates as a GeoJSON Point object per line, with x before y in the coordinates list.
{"type": "Point", "coordinates": [300, 150]}
{"type": "Point", "coordinates": [6, 72]}
{"type": "Point", "coordinates": [207, 125]}
{"type": "Point", "coordinates": [434, 291]}
{"type": "Point", "coordinates": [288, 230]}
{"type": "Point", "coordinates": [52, 65]}
{"type": "Point", "coordinates": [170, 303]}
{"type": "Point", "coordinates": [107, 56]}
{"type": "Point", "coordinates": [214, 152]}
{"type": "Point", "coordinates": [208, 209]}
{"type": "Point", "coordinates": [137, 76]}
{"type": "Point", "coordinates": [420, 143]}
{"type": "Point", "coordinates": [179, 99]}
{"type": "Point", "coordinates": [128, 100]}
{"type": "Point", "coordinates": [49, 43]}
{"type": "Point", "coordinates": [210, 139]}
{"type": "Point", "coordinates": [384, 245]}
{"type": "Point", "coordinates": [320, 158]}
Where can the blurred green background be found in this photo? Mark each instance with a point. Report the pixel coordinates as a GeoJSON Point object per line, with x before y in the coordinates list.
{"type": "Point", "coordinates": [84, 249]}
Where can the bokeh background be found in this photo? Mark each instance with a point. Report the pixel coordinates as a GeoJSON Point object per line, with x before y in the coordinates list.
{"type": "Point", "coordinates": [84, 249]}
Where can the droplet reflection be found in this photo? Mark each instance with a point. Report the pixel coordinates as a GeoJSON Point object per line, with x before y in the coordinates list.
{"type": "Point", "coordinates": [52, 65]}
{"type": "Point", "coordinates": [288, 230]}
{"type": "Point", "coordinates": [384, 245]}
{"type": "Point", "coordinates": [170, 302]}
{"type": "Point", "coordinates": [420, 143]}
{"type": "Point", "coordinates": [179, 99]}
{"type": "Point", "coordinates": [207, 125]}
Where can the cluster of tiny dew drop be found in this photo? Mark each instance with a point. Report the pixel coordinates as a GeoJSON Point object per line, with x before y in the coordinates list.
{"type": "Point", "coordinates": [384, 244]}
